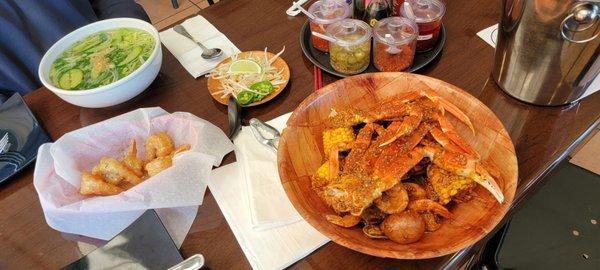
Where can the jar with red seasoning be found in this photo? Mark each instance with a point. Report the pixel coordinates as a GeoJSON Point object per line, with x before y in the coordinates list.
{"type": "Point", "coordinates": [325, 12]}
{"type": "Point", "coordinates": [428, 15]}
{"type": "Point", "coordinates": [394, 44]}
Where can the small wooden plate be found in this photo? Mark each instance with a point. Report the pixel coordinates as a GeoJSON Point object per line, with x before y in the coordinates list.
{"type": "Point", "coordinates": [301, 153]}
{"type": "Point", "coordinates": [279, 64]}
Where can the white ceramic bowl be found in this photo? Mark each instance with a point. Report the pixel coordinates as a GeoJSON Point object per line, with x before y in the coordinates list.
{"type": "Point", "coordinates": [110, 94]}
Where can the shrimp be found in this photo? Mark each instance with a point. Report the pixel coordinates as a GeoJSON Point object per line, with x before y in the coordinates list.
{"type": "Point", "coordinates": [346, 221]}
{"type": "Point", "coordinates": [415, 191]}
{"type": "Point", "coordinates": [182, 148]}
{"type": "Point", "coordinates": [114, 172]}
{"type": "Point", "coordinates": [431, 221]}
{"type": "Point", "coordinates": [158, 145]}
{"type": "Point", "coordinates": [423, 205]}
{"type": "Point", "coordinates": [132, 162]}
{"type": "Point", "coordinates": [94, 185]}
{"type": "Point", "coordinates": [394, 200]}
{"type": "Point", "coordinates": [158, 165]}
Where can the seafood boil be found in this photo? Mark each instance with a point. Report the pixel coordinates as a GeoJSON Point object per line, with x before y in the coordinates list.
{"type": "Point", "coordinates": [398, 169]}
{"type": "Point", "coordinates": [111, 176]}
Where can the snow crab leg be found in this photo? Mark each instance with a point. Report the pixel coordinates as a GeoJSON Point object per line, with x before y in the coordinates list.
{"type": "Point", "coordinates": [441, 103]}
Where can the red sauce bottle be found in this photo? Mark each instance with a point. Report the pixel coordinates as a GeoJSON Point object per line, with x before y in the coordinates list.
{"type": "Point", "coordinates": [428, 15]}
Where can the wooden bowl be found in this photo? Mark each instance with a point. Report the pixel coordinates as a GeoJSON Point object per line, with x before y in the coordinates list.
{"type": "Point", "coordinates": [279, 64]}
{"type": "Point", "coordinates": [301, 153]}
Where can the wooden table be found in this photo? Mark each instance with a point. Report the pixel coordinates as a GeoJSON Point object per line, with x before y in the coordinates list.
{"type": "Point", "coordinates": [543, 136]}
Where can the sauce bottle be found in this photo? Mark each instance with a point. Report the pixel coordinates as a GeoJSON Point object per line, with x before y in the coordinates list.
{"type": "Point", "coordinates": [371, 11]}
{"type": "Point", "coordinates": [325, 12]}
{"type": "Point", "coordinates": [428, 15]}
{"type": "Point", "coordinates": [394, 41]}
{"type": "Point", "coordinates": [396, 7]}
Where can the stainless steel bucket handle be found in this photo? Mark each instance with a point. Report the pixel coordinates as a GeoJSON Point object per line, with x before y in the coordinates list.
{"type": "Point", "coordinates": [582, 13]}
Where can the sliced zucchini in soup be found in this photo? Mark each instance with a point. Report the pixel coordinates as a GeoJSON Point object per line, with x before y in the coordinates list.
{"type": "Point", "coordinates": [133, 54]}
{"type": "Point", "coordinates": [71, 79]}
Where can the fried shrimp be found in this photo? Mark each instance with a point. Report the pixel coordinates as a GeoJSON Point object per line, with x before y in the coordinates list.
{"type": "Point", "coordinates": [158, 165]}
{"type": "Point", "coordinates": [114, 172]}
{"type": "Point", "coordinates": [182, 148]}
{"type": "Point", "coordinates": [158, 145]}
{"type": "Point", "coordinates": [131, 161]}
{"type": "Point", "coordinates": [111, 176]}
{"type": "Point", "coordinates": [95, 185]}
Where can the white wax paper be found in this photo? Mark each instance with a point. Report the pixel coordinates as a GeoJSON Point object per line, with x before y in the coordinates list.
{"type": "Point", "coordinates": [176, 192]}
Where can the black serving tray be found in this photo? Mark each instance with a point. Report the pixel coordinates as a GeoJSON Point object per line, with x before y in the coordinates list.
{"type": "Point", "coordinates": [321, 59]}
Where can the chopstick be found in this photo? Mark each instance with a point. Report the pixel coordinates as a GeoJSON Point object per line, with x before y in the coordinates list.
{"type": "Point", "coordinates": [318, 78]}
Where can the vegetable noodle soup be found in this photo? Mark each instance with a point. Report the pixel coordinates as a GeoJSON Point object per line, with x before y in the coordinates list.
{"type": "Point", "coordinates": [101, 58]}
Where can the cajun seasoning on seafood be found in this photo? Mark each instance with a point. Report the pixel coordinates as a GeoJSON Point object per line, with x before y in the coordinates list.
{"type": "Point", "coordinates": [394, 44]}
{"type": "Point", "coordinates": [428, 15]}
{"type": "Point", "coordinates": [325, 12]}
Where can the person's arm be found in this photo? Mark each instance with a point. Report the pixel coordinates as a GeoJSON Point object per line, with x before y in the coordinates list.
{"type": "Point", "coordinates": [106, 9]}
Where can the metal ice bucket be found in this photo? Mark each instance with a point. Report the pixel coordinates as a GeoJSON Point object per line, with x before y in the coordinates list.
{"type": "Point", "coordinates": [547, 52]}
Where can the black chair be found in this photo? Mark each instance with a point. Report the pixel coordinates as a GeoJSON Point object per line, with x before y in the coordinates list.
{"type": "Point", "coordinates": [176, 5]}
{"type": "Point", "coordinates": [558, 228]}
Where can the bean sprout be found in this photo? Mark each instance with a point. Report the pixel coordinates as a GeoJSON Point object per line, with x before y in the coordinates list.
{"type": "Point", "coordinates": [233, 84]}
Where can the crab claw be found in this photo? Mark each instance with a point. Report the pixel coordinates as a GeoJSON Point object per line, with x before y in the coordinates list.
{"type": "Point", "coordinates": [450, 140]}
{"type": "Point", "coordinates": [463, 165]}
{"type": "Point", "coordinates": [449, 107]}
{"type": "Point", "coordinates": [483, 178]}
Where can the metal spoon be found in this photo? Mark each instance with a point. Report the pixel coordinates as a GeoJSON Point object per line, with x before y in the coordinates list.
{"type": "Point", "coordinates": [206, 52]}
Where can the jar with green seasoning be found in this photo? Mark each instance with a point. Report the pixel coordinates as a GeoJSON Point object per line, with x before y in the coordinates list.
{"type": "Point", "coordinates": [350, 53]}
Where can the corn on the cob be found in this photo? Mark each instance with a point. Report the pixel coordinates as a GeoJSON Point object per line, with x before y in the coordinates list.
{"type": "Point", "coordinates": [342, 136]}
{"type": "Point", "coordinates": [446, 185]}
{"type": "Point", "coordinates": [321, 177]}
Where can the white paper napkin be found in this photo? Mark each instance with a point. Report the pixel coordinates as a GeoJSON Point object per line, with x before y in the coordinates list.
{"type": "Point", "coordinates": [175, 193]}
{"type": "Point", "coordinates": [490, 36]}
{"type": "Point", "coordinates": [188, 53]}
{"type": "Point", "coordinates": [276, 248]}
{"type": "Point", "coordinates": [269, 205]}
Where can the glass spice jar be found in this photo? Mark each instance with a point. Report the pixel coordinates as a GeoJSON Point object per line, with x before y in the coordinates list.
{"type": "Point", "coordinates": [394, 41]}
{"type": "Point", "coordinates": [428, 15]}
{"type": "Point", "coordinates": [325, 12]}
{"type": "Point", "coordinates": [351, 51]}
